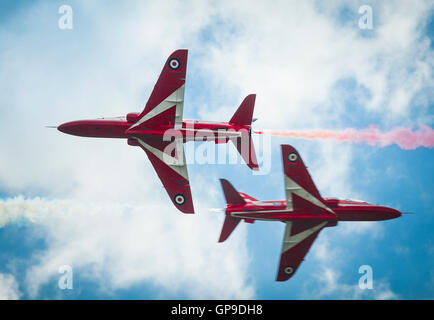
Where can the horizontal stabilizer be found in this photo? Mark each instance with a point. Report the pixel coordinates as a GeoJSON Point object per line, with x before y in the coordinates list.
{"type": "Point", "coordinates": [228, 226]}
{"type": "Point", "coordinates": [244, 114]}
{"type": "Point", "coordinates": [246, 149]}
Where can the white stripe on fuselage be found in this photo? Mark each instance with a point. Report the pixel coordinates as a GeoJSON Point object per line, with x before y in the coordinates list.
{"type": "Point", "coordinates": [241, 214]}
{"type": "Point", "coordinates": [200, 134]}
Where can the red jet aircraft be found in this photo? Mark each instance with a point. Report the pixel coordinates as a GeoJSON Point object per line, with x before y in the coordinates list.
{"type": "Point", "coordinates": [304, 212]}
{"type": "Point", "coordinates": [160, 130]}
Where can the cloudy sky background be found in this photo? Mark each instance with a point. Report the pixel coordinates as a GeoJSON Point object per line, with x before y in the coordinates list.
{"type": "Point", "coordinates": [98, 206]}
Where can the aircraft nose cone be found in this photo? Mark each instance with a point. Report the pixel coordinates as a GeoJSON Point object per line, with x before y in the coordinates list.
{"type": "Point", "coordinates": [68, 128]}
{"type": "Point", "coordinates": [62, 128]}
{"type": "Point", "coordinates": [396, 213]}
{"type": "Point", "coordinates": [390, 213]}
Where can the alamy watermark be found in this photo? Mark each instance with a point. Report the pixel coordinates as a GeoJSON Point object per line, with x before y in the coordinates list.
{"type": "Point", "coordinates": [65, 22]}
{"type": "Point", "coordinates": [66, 279]}
{"type": "Point", "coordinates": [366, 21]}
{"type": "Point", "coordinates": [234, 147]}
{"type": "Point", "coordinates": [366, 281]}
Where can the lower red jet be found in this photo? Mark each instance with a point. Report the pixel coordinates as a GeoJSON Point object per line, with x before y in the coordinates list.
{"type": "Point", "coordinates": [160, 130]}
{"type": "Point", "coordinates": [304, 212]}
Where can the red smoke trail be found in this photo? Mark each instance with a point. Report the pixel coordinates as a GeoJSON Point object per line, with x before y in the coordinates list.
{"type": "Point", "coordinates": [405, 138]}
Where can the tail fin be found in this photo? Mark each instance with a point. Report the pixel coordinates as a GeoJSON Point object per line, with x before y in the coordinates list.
{"type": "Point", "coordinates": [244, 114]}
{"type": "Point", "coordinates": [243, 117]}
{"type": "Point", "coordinates": [233, 198]}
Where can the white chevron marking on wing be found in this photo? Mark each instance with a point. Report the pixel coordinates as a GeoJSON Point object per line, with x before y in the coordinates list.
{"type": "Point", "coordinates": [175, 98]}
{"type": "Point", "coordinates": [178, 165]}
{"type": "Point", "coordinates": [291, 241]}
{"type": "Point", "coordinates": [292, 187]}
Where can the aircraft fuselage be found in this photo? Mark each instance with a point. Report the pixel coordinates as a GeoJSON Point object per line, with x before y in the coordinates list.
{"type": "Point", "coordinates": [191, 130]}
{"type": "Point", "coordinates": [345, 210]}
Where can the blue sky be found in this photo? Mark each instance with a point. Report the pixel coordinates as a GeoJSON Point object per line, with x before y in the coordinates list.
{"type": "Point", "coordinates": [98, 206]}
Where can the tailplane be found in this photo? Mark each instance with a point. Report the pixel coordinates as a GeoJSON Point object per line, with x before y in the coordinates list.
{"type": "Point", "coordinates": [233, 197]}
{"type": "Point", "coordinates": [244, 117]}
{"type": "Point", "coordinates": [244, 114]}
{"type": "Point", "coordinates": [228, 226]}
{"type": "Point", "coordinates": [246, 149]}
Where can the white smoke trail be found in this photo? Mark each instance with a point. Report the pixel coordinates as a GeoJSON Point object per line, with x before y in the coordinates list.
{"type": "Point", "coordinates": [37, 210]}
{"type": "Point", "coordinates": [17, 208]}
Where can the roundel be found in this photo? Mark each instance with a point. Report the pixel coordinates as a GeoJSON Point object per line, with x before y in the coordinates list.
{"type": "Point", "coordinates": [179, 198]}
{"type": "Point", "coordinates": [174, 64]}
{"type": "Point", "coordinates": [288, 270]}
{"type": "Point", "coordinates": [292, 157]}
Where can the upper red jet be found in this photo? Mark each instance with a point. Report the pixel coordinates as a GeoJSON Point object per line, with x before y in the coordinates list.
{"type": "Point", "coordinates": [304, 212]}
{"type": "Point", "coordinates": [160, 130]}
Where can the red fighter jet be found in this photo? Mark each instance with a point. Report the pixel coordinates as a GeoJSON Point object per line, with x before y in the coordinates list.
{"type": "Point", "coordinates": [304, 212]}
{"type": "Point", "coordinates": [160, 130]}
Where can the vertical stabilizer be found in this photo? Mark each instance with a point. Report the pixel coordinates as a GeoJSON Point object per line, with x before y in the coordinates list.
{"type": "Point", "coordinates": [243, 117]}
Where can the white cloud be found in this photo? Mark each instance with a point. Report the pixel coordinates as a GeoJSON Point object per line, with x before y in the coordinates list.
{"type": "Point", "coordinates": [291, 54]}
{"type": "Point", "coordinates": [328, 249]}
{"type": "Point", "coordinates": [118, 245]}
{"type": "Point", "coordinates": [8, 287]}
{"type": "Point", "coordinates": [327, 284]}
{"type": "Point", "coordinates": [331, 258]}
{"type": "Point", "coordinates": [117, 224]}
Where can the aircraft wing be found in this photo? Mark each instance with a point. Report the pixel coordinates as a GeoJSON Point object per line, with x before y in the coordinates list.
{"type": "Point", "coordinates": [166, 102]}
{"type": "Point", "coordinates": [301, 193]}
{"type": "Point", "coordinates": [168, 160]}
{"type": "Point", "coordinates": [298, 238]}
